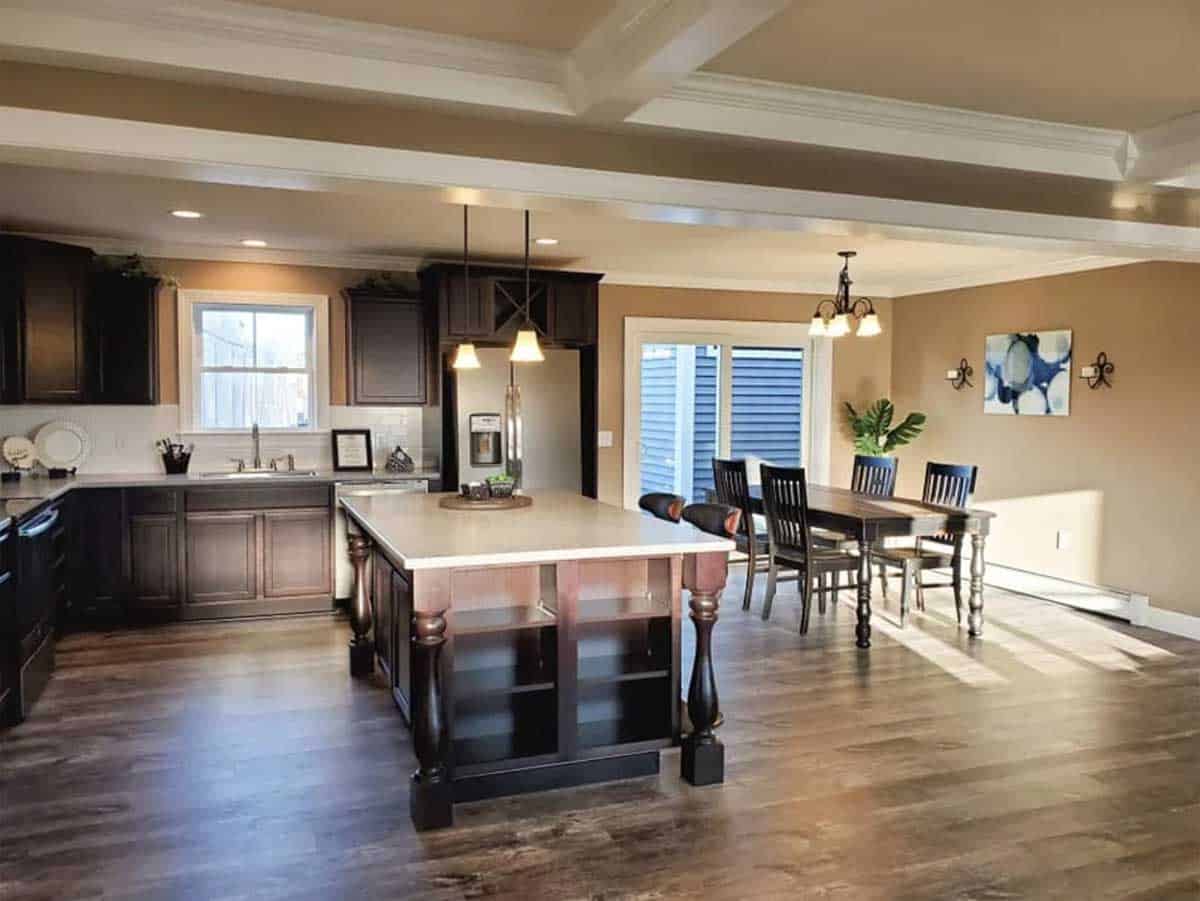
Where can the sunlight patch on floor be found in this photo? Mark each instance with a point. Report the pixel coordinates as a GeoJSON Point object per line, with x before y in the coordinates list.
{"type": "Point", "coordinates": [1029, 653]}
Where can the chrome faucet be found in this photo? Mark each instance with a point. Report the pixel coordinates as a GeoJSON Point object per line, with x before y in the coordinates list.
{"type": "Point", "coordinates": [254, 436]}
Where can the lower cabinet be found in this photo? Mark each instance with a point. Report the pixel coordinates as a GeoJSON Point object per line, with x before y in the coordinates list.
{"type": "Point", "coordinates": [222, 557]}
{"type": "Point", "coordinates": [296, 552]}
{"type": "Point", "coordinates": [391, 600]}
{"type": "Point", "coordinates": [154, 569]}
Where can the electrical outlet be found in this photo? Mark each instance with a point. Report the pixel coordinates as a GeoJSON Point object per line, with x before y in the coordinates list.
{"type": "Point", "coordinates": [604, 439]}
{"type": "Point", "coordinates": [1063, 540]}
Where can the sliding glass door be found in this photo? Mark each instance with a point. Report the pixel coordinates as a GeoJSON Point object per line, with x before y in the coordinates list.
{"type": "Point", "coordinates": [698, 389]}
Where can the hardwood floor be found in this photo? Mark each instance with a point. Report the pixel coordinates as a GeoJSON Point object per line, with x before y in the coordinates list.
{"type": "Point", "coordinates": [1057, 758]}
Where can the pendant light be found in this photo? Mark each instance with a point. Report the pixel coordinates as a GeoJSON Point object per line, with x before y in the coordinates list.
{"type": "Point", "coordinates": [465, 356]}
{"type": "Point", "coordinates": [832, 317]}
{"type": "Point", "coordinates": [526, 348]}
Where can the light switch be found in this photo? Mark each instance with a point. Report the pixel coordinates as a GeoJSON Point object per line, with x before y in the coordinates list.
{"type": "Point", "coordinates": [604, 438]}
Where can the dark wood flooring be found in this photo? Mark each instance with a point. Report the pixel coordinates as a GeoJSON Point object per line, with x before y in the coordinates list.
{"type": "Point", "coordinates": [1057, 758]}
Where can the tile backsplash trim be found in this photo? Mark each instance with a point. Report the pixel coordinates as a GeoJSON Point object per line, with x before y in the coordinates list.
{"type": "Point", "coordinates": [123, 437]}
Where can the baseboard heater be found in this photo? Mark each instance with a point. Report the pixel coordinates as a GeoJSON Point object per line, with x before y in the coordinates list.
{"type": "Point", "coordinates": [1123, 605]}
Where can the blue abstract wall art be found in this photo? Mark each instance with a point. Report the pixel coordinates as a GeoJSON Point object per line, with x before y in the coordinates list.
{"type": "Point", "coordinates": [1028, 374]}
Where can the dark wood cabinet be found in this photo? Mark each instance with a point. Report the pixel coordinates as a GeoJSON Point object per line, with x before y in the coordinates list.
{"type": "Point", "coordinates": [154, 570]}
{"type": "Point", "coordinates": [562, 305]}
{"type": "Point", "coordinates": [100, 582]}
{"type": "Point", "coordinates": [390, 351]}
{"type": "Point", "coordinates": [42, 315]}
{"type": "Point", "coordinates": [297, 553]}
{"type": "Point", "coordinates": [8, 644]}
{"type": "Point", "coordinates": [463, 313]}
{"type": "Point", "coordinates": [391, 603]}
{"type": "Point", "coordinates": [122, 340]}
{"type": "Point", "coordinates": [222, 557]}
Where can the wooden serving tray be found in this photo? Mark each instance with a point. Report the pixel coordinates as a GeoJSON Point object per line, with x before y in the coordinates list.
{"type": "Point", "coordinates": [458, 502]}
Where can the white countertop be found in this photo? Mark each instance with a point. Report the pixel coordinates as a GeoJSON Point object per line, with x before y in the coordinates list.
{"type": "Point", "coordinates": [419, 534]}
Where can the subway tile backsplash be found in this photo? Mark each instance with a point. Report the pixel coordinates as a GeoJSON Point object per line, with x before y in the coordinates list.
{"type": "Point", "coordinates": [123, 437]}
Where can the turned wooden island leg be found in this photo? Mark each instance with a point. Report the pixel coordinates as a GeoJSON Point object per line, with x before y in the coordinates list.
{"type": "Point", "coordinates": [431, 802]}
{"type": "Point", "coordinates": [703, 758]}
{"type": "Point", "coordinates": [975, 601]}
{"type": "Point", "coordinates": [362, 649]}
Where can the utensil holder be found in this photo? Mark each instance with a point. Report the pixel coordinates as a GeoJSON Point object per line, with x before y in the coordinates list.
{"type": "Point", "coordinates": [176, 465]}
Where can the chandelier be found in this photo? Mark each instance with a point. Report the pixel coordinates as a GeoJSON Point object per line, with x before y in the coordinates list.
{"type": "Point", "coordinates": [832, 315]}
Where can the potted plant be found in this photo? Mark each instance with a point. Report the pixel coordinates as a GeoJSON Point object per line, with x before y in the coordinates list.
{"type": "Point", "coordinates": [873, 432]}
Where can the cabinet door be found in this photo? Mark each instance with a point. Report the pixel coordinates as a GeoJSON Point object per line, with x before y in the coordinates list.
{"type": "Point", "coordinates": [8, 656]}
{"type": "Point", "coordinates": [53, 298]}
{"type": "Point", "coordinates": [466, 314]}
{"type": "Point", "coordinates": [222, 557]}
{"type": "Point", "coordinates": [154, 571]}
{"type": "Point", "coordinates": [297, 552]}
{"type": "Point", "coordinates": [100, 572]}
{"type": "Point", "coordinates": [389, 357]}
{"type": "Point", "coordinates": [122, 340]}
{"type": "Point", "coordinates": [573, 312]}
{"type": "Point", "coordinates": [381, 609]}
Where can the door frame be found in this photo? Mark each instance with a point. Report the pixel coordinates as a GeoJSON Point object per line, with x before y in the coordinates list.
{"type": "Point", "coordinates": [817, 396]}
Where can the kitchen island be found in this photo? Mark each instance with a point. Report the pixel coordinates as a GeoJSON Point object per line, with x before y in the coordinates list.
{"type": "Point", "coordinates": [536, 648]}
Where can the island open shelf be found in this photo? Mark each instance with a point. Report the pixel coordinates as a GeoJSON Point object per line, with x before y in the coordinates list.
{"type": "Point", "coordinates": [552, 665]}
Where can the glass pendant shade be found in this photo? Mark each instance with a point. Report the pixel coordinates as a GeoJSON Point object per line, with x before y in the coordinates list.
{"type": "Point", "coordinates": [869, 326]}
{"type": "Point", "coordinates": [839, 326]}
{"type": "Point", "coordinates": [465, 357]}
{"type": "Point", "coordinates": [817, 328]}
{"type": "Point", "coordinates": [526, 348]}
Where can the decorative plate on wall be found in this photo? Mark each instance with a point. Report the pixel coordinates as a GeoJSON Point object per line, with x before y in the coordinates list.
{"type": "Point", "coordinates": [19, 452]}
{"type": "Point", "coordinates": [62, 445]}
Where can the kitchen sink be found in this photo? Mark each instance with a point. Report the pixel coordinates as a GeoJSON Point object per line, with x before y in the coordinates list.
{"type": "Point", "coordinates": [261, 474]}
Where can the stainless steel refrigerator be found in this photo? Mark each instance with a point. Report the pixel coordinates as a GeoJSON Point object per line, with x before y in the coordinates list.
{"type": "Point", "coordinates": [550, 420]}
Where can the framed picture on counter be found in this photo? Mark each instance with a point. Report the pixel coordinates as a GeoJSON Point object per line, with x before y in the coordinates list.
{"type": "Point", "coordinates": [352, 450]}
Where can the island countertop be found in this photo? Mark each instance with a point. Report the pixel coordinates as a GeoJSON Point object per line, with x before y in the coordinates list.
{"type": "Point", "coordinates": [418, 534]}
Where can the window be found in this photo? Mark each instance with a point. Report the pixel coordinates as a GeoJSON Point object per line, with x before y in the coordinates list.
{"type": "Point", "coordinates": [249, 359]}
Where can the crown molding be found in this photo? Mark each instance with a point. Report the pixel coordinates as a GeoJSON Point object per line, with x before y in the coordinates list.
{"type": "Point", "coordinates": [823, 287]}
{"type": "Point", "coordinates": [726, 104]}
{"type": "Point", "coordinates": [1009, 274]}
{"type": "Point", "coordinates": [1167, 154]}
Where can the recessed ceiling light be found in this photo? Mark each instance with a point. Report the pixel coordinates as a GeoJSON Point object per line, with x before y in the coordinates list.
{"type": "Point", "coordinates": [546, 242]}
{"type": "Point", "coordinates": [186, 214]}
{"type": "Point", "coordinates": [253, 242]}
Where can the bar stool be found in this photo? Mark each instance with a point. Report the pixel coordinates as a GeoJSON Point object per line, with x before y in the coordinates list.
{"type": "Point", "coordinates": [662, 505]}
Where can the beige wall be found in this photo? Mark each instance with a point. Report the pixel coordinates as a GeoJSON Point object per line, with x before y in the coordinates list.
{"type": "Point", "coordinates": [1119, 473]}
{"type": "Point", "coordinates": [861, 367]}
{"type": "Point", "coordinates": [219, 276]}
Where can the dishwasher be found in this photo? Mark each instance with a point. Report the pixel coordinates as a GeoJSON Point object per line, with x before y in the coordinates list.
{"type": "Point", "coordinates": [343, 570]}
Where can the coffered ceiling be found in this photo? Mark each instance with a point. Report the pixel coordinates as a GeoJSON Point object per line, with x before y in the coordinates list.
{"type": "Point", "coordinates": [1109, 64]}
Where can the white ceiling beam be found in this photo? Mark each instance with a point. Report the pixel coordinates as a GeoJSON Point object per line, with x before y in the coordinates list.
{"type": "Point", "coordinates": [643, 48]}
{"type": "Point", "coordinates": [1167, 153]}
{"type": "Point", "coordinates": [67, 140]}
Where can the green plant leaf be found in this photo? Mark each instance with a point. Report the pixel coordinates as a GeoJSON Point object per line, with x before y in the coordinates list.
{"type": "Point", "coordinates": [906, 432]}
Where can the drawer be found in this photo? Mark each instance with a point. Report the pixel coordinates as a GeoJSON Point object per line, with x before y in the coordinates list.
{"type": "Point", "coordinates": [151, 500]}
{"type": "Point", "coordinates": [264, 497]}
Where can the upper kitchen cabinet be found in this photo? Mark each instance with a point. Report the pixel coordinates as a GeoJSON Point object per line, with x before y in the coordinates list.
{"type": "Point", "coordinates": [122, 339]}
{"type": "Point", "coordinates": [43, 296]}
{"type": "Point", "coordinates": [391, 341]}
{"type": "Point", "coordinates": [562, 305]}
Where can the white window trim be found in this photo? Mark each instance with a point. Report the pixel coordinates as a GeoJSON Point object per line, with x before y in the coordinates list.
{"type": "Point", "coordinates": [189, 299]}
{"type": "Point", "coordinates": [818, 387]}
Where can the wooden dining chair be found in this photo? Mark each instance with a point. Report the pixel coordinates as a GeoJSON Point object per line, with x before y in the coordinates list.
{"type": "Point", "coordinates": [662, 505]}
{"type": "Point", "coordinates": [947, 485]}
{"type": "Point", "coordinates": [733, 490]}
{"type": "Point", "coordinates": [872, 476]}
{"type": "Point", "coordinates": [785, 502]}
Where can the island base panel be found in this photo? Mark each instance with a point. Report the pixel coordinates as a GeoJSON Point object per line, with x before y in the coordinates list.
{"type": "Point", "coordinates": [362, 659]}
{"type": "Point", "coordinates": [554, 775]}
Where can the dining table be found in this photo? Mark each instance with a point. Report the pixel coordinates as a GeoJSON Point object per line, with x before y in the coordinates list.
{"type": "Point", "coordinates": [867, 520]}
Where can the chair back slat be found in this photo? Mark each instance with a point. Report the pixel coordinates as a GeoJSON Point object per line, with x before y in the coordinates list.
{"type": "Point", "coordinates": [733, 489]}
{"type": "Point", "coordinates": [662, 505]}
{"type": "Point", "coordinates": [874, 476]}
{"type": "Point", "coordinates": [785, 502]}
{"type": "Point", "coordinates": [948, 485]}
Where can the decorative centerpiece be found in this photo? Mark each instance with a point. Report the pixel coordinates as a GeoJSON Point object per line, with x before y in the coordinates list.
{"type": "Point", "coordinates": [496, 493]}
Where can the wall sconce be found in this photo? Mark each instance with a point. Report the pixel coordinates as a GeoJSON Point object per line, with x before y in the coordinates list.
{"type": "Point", "coordinates": [1097, 374]}
{"type": "Point", "coordinates": [961, 377]}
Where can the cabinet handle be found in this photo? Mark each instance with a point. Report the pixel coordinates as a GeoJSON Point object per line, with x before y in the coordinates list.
{"type": "Point", "coordinates": [38, 526]}
{"type": "Point", "coordinates": [4, 577]}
